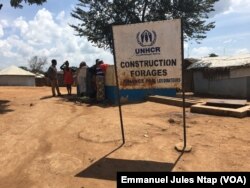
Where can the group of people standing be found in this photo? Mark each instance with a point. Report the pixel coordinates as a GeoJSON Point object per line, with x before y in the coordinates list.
{"type": "Point", "coordinates": [90, 81]}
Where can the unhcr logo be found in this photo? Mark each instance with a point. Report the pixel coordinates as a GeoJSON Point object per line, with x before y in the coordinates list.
{"type": "Point", "coordinates": [146, 39]}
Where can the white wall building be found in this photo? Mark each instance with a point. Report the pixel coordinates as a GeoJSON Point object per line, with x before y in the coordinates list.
{"type": "Point", "coordinates": [15, 76]}
{"type": "Point", "coordinates": [222, 76]}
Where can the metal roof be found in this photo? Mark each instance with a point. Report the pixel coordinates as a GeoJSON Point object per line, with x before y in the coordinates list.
{"type": "Point", "coordinates": [38, 75]}
{"type": "Point", "coordinates": [222, 62]}
{"type": "Point", "coordinates": [14, 70]}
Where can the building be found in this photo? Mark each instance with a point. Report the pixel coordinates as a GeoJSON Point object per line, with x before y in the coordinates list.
{"type": "Point", "coordinates": [15, 76]}
{"type": "Point", "coordinates": [188, 75]}
{"type": "Point", "coordinates": [222, 76]}
{"type": "Point", "coordinates": [40, 80]}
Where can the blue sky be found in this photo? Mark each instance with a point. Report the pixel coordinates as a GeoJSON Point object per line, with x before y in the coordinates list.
{"type": "Point", "coordinates": [45, 31]}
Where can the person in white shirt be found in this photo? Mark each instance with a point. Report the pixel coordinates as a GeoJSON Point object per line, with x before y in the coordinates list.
{"type": "Point", "coordinates": [81, 79]}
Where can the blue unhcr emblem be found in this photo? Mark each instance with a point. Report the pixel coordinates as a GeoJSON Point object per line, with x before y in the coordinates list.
{"type": "Point", "coordinates": [146, 38]}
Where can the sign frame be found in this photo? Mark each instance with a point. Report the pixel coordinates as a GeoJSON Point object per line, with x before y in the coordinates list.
{"type": "Point", "coordinates": [148, 55]}
{"type": "Point", "coordinates": [182, 84]}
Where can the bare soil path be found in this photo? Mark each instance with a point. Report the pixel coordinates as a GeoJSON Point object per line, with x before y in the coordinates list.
{"type": "Point", "coordinates": [54, 142]}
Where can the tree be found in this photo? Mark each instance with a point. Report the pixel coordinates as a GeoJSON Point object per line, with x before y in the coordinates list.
{"type": "Point", "coordinates": [17, 3]}
{"type": "Point", "coordinates": [36, 64]}
{"type": "Point", "coordinates": [97, 16]}
{"type": "Point", "coordinates": [24, 68]}
{"type": "Point", "coordinates": [212, 55]}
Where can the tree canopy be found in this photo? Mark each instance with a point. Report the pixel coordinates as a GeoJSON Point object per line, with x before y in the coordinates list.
{"type": "Point", "coordinates": [212, 55]}
{"type": "Point", "coordinates": [97, 16]}
{"type": "Point", "coordinates": [17, 3]}
{"type": "Point", "coordinates": [37, 64]}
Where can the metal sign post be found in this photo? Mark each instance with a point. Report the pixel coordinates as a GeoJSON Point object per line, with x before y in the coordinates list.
{"type": "Point", "coordinates": [183, 90]}
{"type": "Point", "coordinates": [183, 147]}
{"type": "Point", "coordinates": [118, 93]}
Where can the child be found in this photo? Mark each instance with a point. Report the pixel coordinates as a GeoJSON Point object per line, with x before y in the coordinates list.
{"type": "Point", "coordinates": [67, 76]}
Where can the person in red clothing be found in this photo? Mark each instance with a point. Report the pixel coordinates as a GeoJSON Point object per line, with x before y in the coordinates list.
{"type": "Point", "coordinates": [103, 66]}
{"type": "Point", "coordinates": [67, 76]}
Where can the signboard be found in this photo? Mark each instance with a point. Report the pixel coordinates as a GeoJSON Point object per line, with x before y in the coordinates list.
{"type": "Point", "coordinates": [148, 55]}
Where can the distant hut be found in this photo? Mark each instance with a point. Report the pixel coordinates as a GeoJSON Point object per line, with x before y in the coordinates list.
{"type": "Point", "coordinates": [222, 76]}
{"type": "Point", "coordinates": [188, 75]}
{"type": "Point", "coordinates": [15, 76]}
{"type": "Point", "coordinates": [60, 78]}
{"type": "Point", "coordinates": [40, 80]}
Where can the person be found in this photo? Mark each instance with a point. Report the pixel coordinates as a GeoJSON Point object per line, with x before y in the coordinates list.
{"type": "Point", "coordinates": [52, 75]}
{"type": "Point", "coordinates": [91, 80]}
{"type": "Point", "coordinates": [67, 76]}
{"type": "Point", "coordinates": [100, 81]}
{"type": "Point", "coordinates": [81, 75]}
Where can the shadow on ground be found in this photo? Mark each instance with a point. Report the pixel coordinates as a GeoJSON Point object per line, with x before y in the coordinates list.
{"type": "Point", "coordinates": [84, 100]}
{"type": "Point", "coordinates": [46, 97]}
{"type": "Point", "coordinates": [4, 107]}
{"type": "Point", "coordinates": [107, 168]}
{"type": "Point", "coordinates": [89, 101]}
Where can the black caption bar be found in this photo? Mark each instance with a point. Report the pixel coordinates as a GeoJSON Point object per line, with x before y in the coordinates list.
{"type": "Point", "coordinates": [174, 179]}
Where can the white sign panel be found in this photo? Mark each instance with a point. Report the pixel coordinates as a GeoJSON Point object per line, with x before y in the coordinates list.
{"type": "Point", "coordinates": [148, 55]}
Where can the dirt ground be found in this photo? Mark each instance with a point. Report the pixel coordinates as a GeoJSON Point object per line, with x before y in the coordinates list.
{"type": "Point", "coordinates": [55, 142]}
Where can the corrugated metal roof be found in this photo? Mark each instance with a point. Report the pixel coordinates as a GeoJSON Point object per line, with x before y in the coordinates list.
{"type": "Point", "coordinates": [39, 75]}
{"type": "Point", "coordinates": [222, 62]}
{"type": "Point", "coordinates": [14, 70]}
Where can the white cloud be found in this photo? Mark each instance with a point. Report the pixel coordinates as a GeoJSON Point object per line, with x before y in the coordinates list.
{"type": "Point", "coordinates": [186, 45]}
{"type": "Point", "coordinates": [3, 24]}
{"type": "Point", "coordinates": [21, 24]}
{"type": "Point", "coordinates": [5, 48]}
{"type": "Point", "coordinates": [47, 35]}
{"type": "Point", "coordinates": [201, 52]}
{"type": "Point", "coordinates": [61, 16]}
{"type": "Point", "coordinates": [222, 6]}
{"type": "Point", "coordinates": [228, 41]}
{"type": "Point", "coordinates": [14, 48]}
{"type": "Point", "coordinates": [43, 29]}
{"type": "Point", "coordinates": [229, 6]}
{"type": "Point", "coordinates": [242, 51]}
{"type": "Point", "coordinates": [1, 31]}
{"type": "Point", "coordinates": [240, 6]}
